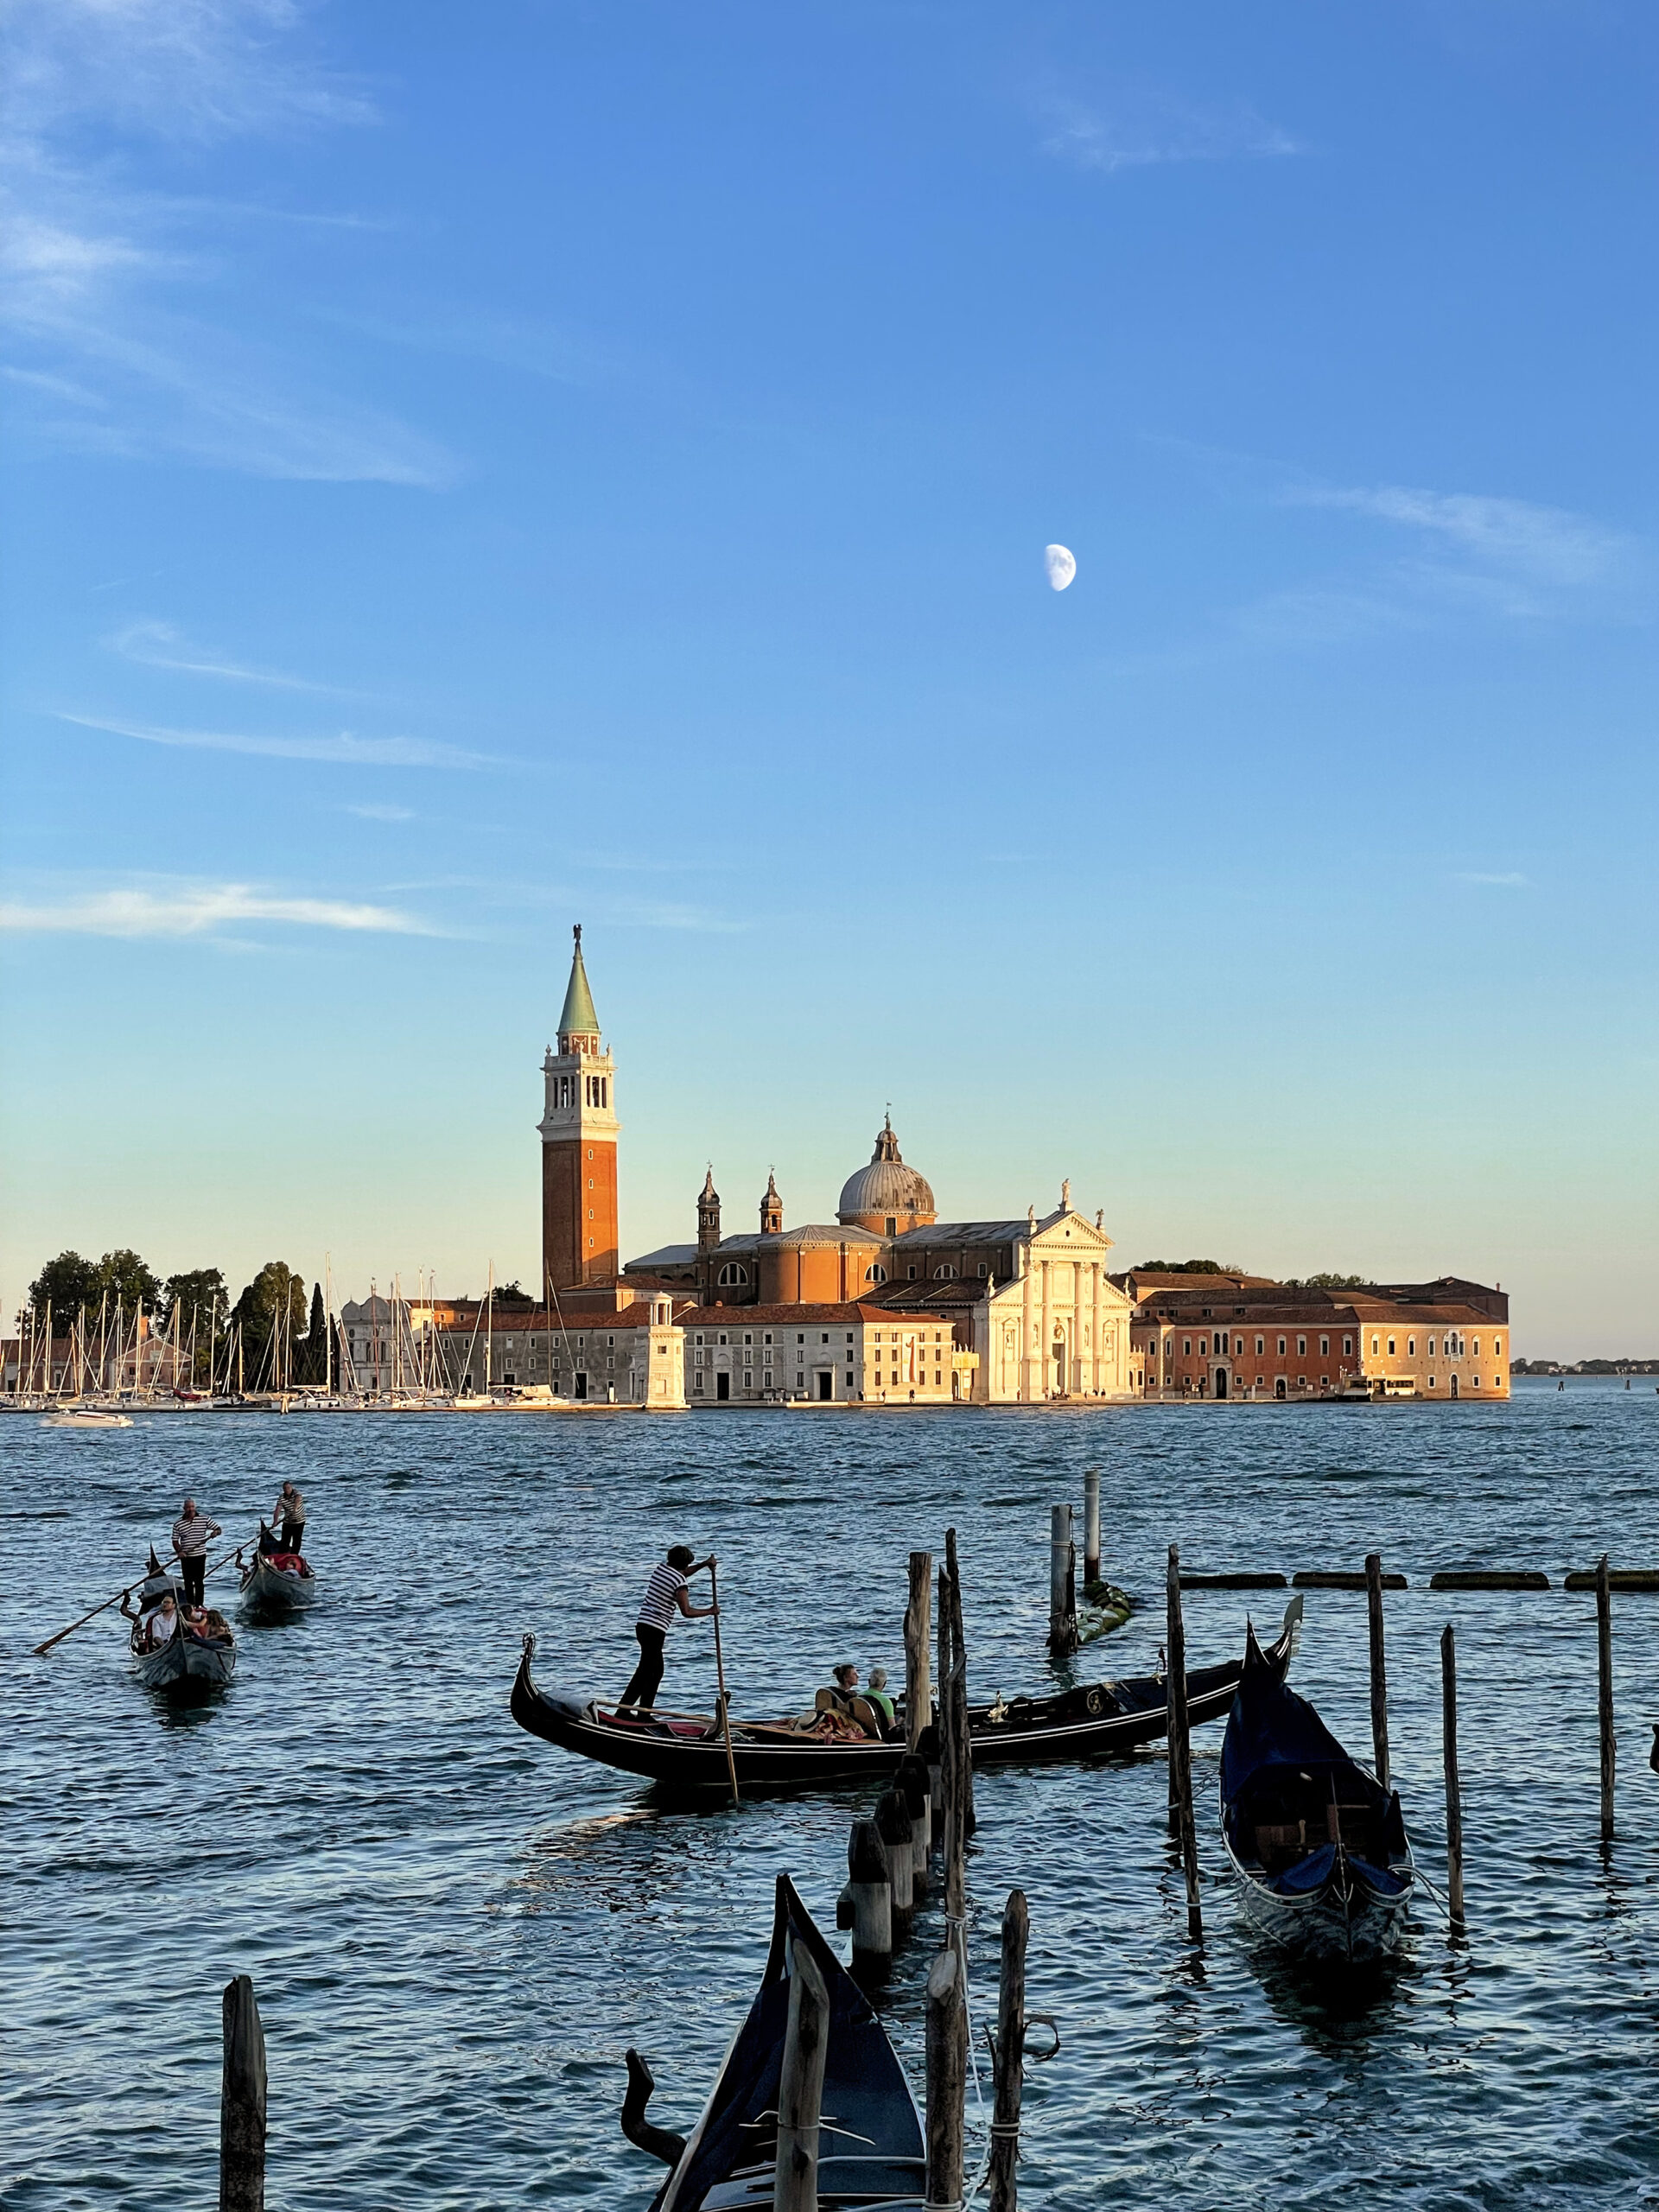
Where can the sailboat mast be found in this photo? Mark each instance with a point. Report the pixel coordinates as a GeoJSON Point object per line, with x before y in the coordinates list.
{"type": "Point", "coordinates": [489, 1331]}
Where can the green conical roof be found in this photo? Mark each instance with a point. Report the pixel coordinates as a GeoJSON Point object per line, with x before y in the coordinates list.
{"type": "Point", "coordinates": [578, 1017]}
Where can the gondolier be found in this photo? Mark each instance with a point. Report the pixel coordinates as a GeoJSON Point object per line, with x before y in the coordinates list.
{"type": "Point", "coordinates": [666, 1591]}
{"type": "Point", "coordinates": [289, 1510]}
{"type": "Point", "coordinates": [192, 1533]}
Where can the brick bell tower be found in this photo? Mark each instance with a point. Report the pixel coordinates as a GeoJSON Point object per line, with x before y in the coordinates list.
{"type": "Point", "coordinates": [579, 1131]}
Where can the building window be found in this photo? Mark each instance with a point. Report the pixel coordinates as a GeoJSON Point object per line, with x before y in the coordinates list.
{"type": "Point", "coordinates": [1260, 1346]}
{"type": "Point", "coordinates": [1373, 1347]}
{"type": "Point", "coordinates": [733, 1273]}
{"type": "Point", "coordinates": [1301, 1344]}
{"type": "Point", "coordinates": [697, 1384]}
{"type": "Point", "coordinates": [1497, 1347]}
{"type": "Point", "coordinates": [800, 1379]}
{"type": "Point", "coordinates": [824, 1338]}
{"type": "Point", "coordinates": [1348, 1345]}
{"type": "Point", "coordinates": [749, 1340]}
{"type": "Point", "coordinates": [1325, 1346]}
{"type": "Point", "coordinates": [1186, 1346]}
{"type": "Point", "coordinates": [875, 1272]}
{"type": "Point", "coordinates": [1390, 1347]}
{"type": "Point", "coordinates": [945, 1272]}
{"type": "Point", "coordinates": [1411, 1347]}
{"type": "Point", "coordinates": [981, 1270]}
{"type": "Point", "coordinates": [768, 1379]}
{"type": "Point", "coordinates": [1476, 1351]}
{"type": "Point", "coordinates": [849, 1337]}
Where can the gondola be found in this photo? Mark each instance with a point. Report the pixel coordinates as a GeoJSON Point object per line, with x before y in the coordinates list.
{"type": "Point", "coordinates": [687, 1751]}
{"type": "Point", "coordinates": [871, 2150]}
{"type": "Point", "coordinates": [275, 1581]}
{"type": "Point", "coordinates": [188, 1665]}
{"type": "Point", "coordinates": [1317, 1844]}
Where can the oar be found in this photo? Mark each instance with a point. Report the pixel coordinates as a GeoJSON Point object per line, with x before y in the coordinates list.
{"type": "Point", "coordinates": [41, 1650]}
{"type": "Point", "coordinates": [720, 1676]}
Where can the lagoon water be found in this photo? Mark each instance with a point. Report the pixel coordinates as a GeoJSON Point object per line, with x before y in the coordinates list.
{"type": "Point", "coordinates": [454, 1931]}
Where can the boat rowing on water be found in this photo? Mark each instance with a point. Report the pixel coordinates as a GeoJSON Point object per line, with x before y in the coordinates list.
{"type": "Point", "coordinates": [871, 2150]}
{"type": "Point", "coordinates": [274, 1581]}
{"type": "Point", "coordinates": [1319, 1846]}
{"type": "Point", "coordinates": [688, 1751]}
{"type": "Point", "coordinates": [188, 1662]}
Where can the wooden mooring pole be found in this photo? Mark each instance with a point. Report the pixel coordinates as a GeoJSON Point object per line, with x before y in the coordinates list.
{"type": "Point", "coordinates": [869, 1899]}
{"type": "Point", "coordinates": [1379, 1667]}
{"type": "Point", "coordinates": [1062, 1584]}
{"type": "Point", "coordinates": [1604, 1693]}
{"type": "Point", "coordinates": [242, 2103]}
{"type": "Point", "coordinates": [1010, 2054]}
{"type": "Point", "coordinates": [947, 2077]}
{"type": "Point", "coordinates": [800, 2088]}
{"type": "Point", "coordinates": [892, 1822]}
{"type": "Point", "coordinates": [1453, 1789]}
{"type": "Point", "coordinates": [1180, 1749]}
{"type": "Point", "coordinates": [913, 1784]}
{"type": "Point", "coordinates": [918, 1684]}
{"type": "Point", "coordinates": [959, 1684]}
{"type": "Point", "coordinates": [1091, 1527]}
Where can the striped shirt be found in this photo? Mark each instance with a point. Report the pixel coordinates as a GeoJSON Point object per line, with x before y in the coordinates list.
{"type": "Point", "coordinates": [657, 1608]}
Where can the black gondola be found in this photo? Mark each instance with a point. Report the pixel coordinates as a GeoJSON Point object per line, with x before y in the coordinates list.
{"type": "Point", "coordinates": [275, 1580]}
{"type": "Point", "coordinates": [871, 2150]}
{"type": "Point", "coordinates": [190, 1663]}
{"type": "Point", "coordinates": [687, 1751]}
{"type": "Point", "coordinates": [1317, 1844]}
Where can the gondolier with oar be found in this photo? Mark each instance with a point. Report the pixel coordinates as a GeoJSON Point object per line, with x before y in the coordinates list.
{"type": "Point", "coordinates": [666, 1591]}
{"type": "Point", "coordinates": [289, 1511]}
{"type": "Point", "coordinates": [192, 1532]}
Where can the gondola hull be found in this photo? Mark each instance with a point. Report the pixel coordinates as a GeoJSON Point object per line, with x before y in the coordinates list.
{"type": "Point", "coordinates": [1352, 1919]}
{"type": "Point", "coordinates": [186, 1666]}
{"type": "Point", "coordinates": [270, 1589]}
{"type": "Point", "coordinates": [688, 1753]}
{"type": "Point", "coordinates": [871, 2150]}
{"type": "Point", "coordinates": [1317, 1844]}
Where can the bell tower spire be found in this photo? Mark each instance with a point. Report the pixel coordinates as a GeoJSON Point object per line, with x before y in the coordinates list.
{"type": "Point", "coordinates": [579, 1131]}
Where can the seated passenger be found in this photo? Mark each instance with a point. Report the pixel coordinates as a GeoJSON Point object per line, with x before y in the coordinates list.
{"type": "Point", "coordinates": [848, 1701]}
{"type": "Point", "coordinates": [214, 1624]}
{"type": "Point", "coordinates": [158, 1626]}
{"type": "Point", "coordinates": [878, 1696]}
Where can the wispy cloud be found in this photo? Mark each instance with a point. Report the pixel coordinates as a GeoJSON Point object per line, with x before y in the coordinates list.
{"type": "Point", "coordinates": [94, 275]}
{"type": "Point", "coordinates": [1547, 544]}
{"type": "Point", "coordinates": [384, 813]}
{"type": "Point", "coordinates": [343, 750]}
{"type": "Point", "coordinates": [159, 645]}
{"type": "Point", "coordinates": [1506, 880]}
{"type": "Point", "coordinates": [198, 910]}
{"type": "Point", "coordinates": [1138, 126]}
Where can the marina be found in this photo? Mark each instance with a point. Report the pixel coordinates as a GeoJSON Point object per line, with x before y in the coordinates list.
{"type": "Point", "coordinates": [443, 1919]}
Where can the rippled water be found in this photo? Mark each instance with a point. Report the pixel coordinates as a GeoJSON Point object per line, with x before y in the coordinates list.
{"type": "Point", "coordinates": [454, 1931]}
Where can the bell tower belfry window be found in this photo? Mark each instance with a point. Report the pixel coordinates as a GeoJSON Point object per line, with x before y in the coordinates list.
{"type": "Point", "coordinates": [579, 1131]}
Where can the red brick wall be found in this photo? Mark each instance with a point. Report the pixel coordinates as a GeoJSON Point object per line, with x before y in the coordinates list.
{"type": "Point", "coordinates": [579, 1242]}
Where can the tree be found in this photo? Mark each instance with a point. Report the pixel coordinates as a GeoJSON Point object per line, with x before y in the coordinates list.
{"type": "Point", "coordinates": [316, 1340]}
{"type": "Point", "coordinates": [1188, 1268]}
{"type": "Point", "coordinates": [67, 1283]}
{"type": "Point", "coordinates": [123, 1274]}
{"type": "Point", "coordinates": [1327, 1282]}
{"type": "Point", "coordinates": [271, 1313]}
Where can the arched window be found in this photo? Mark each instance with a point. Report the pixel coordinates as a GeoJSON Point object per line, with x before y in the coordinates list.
{"type": "Point", "coordinates": [945, 1272]}
{"type": "Point", "coordinates": [875, 1272]}
{"type": "Point", "coordinates": [733, 1273]}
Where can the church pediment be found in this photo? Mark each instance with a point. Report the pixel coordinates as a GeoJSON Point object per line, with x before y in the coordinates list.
{"type": "Point", "coordinates": [1070, 1234]}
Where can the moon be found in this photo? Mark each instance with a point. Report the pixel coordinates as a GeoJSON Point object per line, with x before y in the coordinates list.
{"type": "Point", "coordinates": [1060, 565]}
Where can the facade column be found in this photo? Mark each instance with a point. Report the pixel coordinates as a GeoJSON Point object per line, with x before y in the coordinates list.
{"type": "Point", "coordinates": [1046, 1346]}
{"type": "Point", "coordinates": [1100, 1270]}
{"type": "Point", "coordinates": [1023, 1390]}
{"type": "Point", "coordinates": [1076, 1361]}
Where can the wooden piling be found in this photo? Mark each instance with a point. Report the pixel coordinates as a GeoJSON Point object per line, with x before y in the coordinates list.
{"type": "Point", "coordinates": [959, 1680]}
{"type": "Point", "coordinates": [1062, 1584]}
{"type": "Point", "coordinates": [947, 2078]}
{"type": "Point", "coordinates": [1379, 1667]}
{"type": "Point", "coordinates": [892, 1820]}
{"type": "Point", "coordinates": [1091, 1527]}
{"type": "Point", "coordinates": [1453, 1791]}
{"type": "Point", "coordinates": [869, 1892]}
{"type": "Point", "coordinates": [242, 2103]}
{"type": "Point", "coordinates": [1010, 2054]}
{"type": "Point", "coordinates": [919, 1685]}
{"type": "Point", "coordinates": [800, 2088]}
{"type": "Point", "coordinates": [911, 1780]}
{"type": "Point", "coordinates": [1181, 1749]}
{"type": "Point", "coordinates": [930, 1746]}
{"type": "Point", "coordinates": [1604, 1693]}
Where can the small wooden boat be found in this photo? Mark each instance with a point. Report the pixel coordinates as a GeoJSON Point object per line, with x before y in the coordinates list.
{"type": "Point", "coordinates": [687, 1751]}
{"type": "Point", "coordinates": [871, 2150]}
{"type": "Point", "coordinates": [275, 1581]}
{"type": "Point", "coordinates": [190, 1664]}
{"type": "Point", "coordinates": [1318, 1847]}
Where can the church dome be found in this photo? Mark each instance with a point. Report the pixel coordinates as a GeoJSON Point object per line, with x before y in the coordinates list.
{"type": "Point", "coordinates": [886, 1190]}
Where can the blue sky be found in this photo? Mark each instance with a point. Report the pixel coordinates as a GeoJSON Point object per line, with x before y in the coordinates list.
{"type": "Point", "coordinates": [468, 471]}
